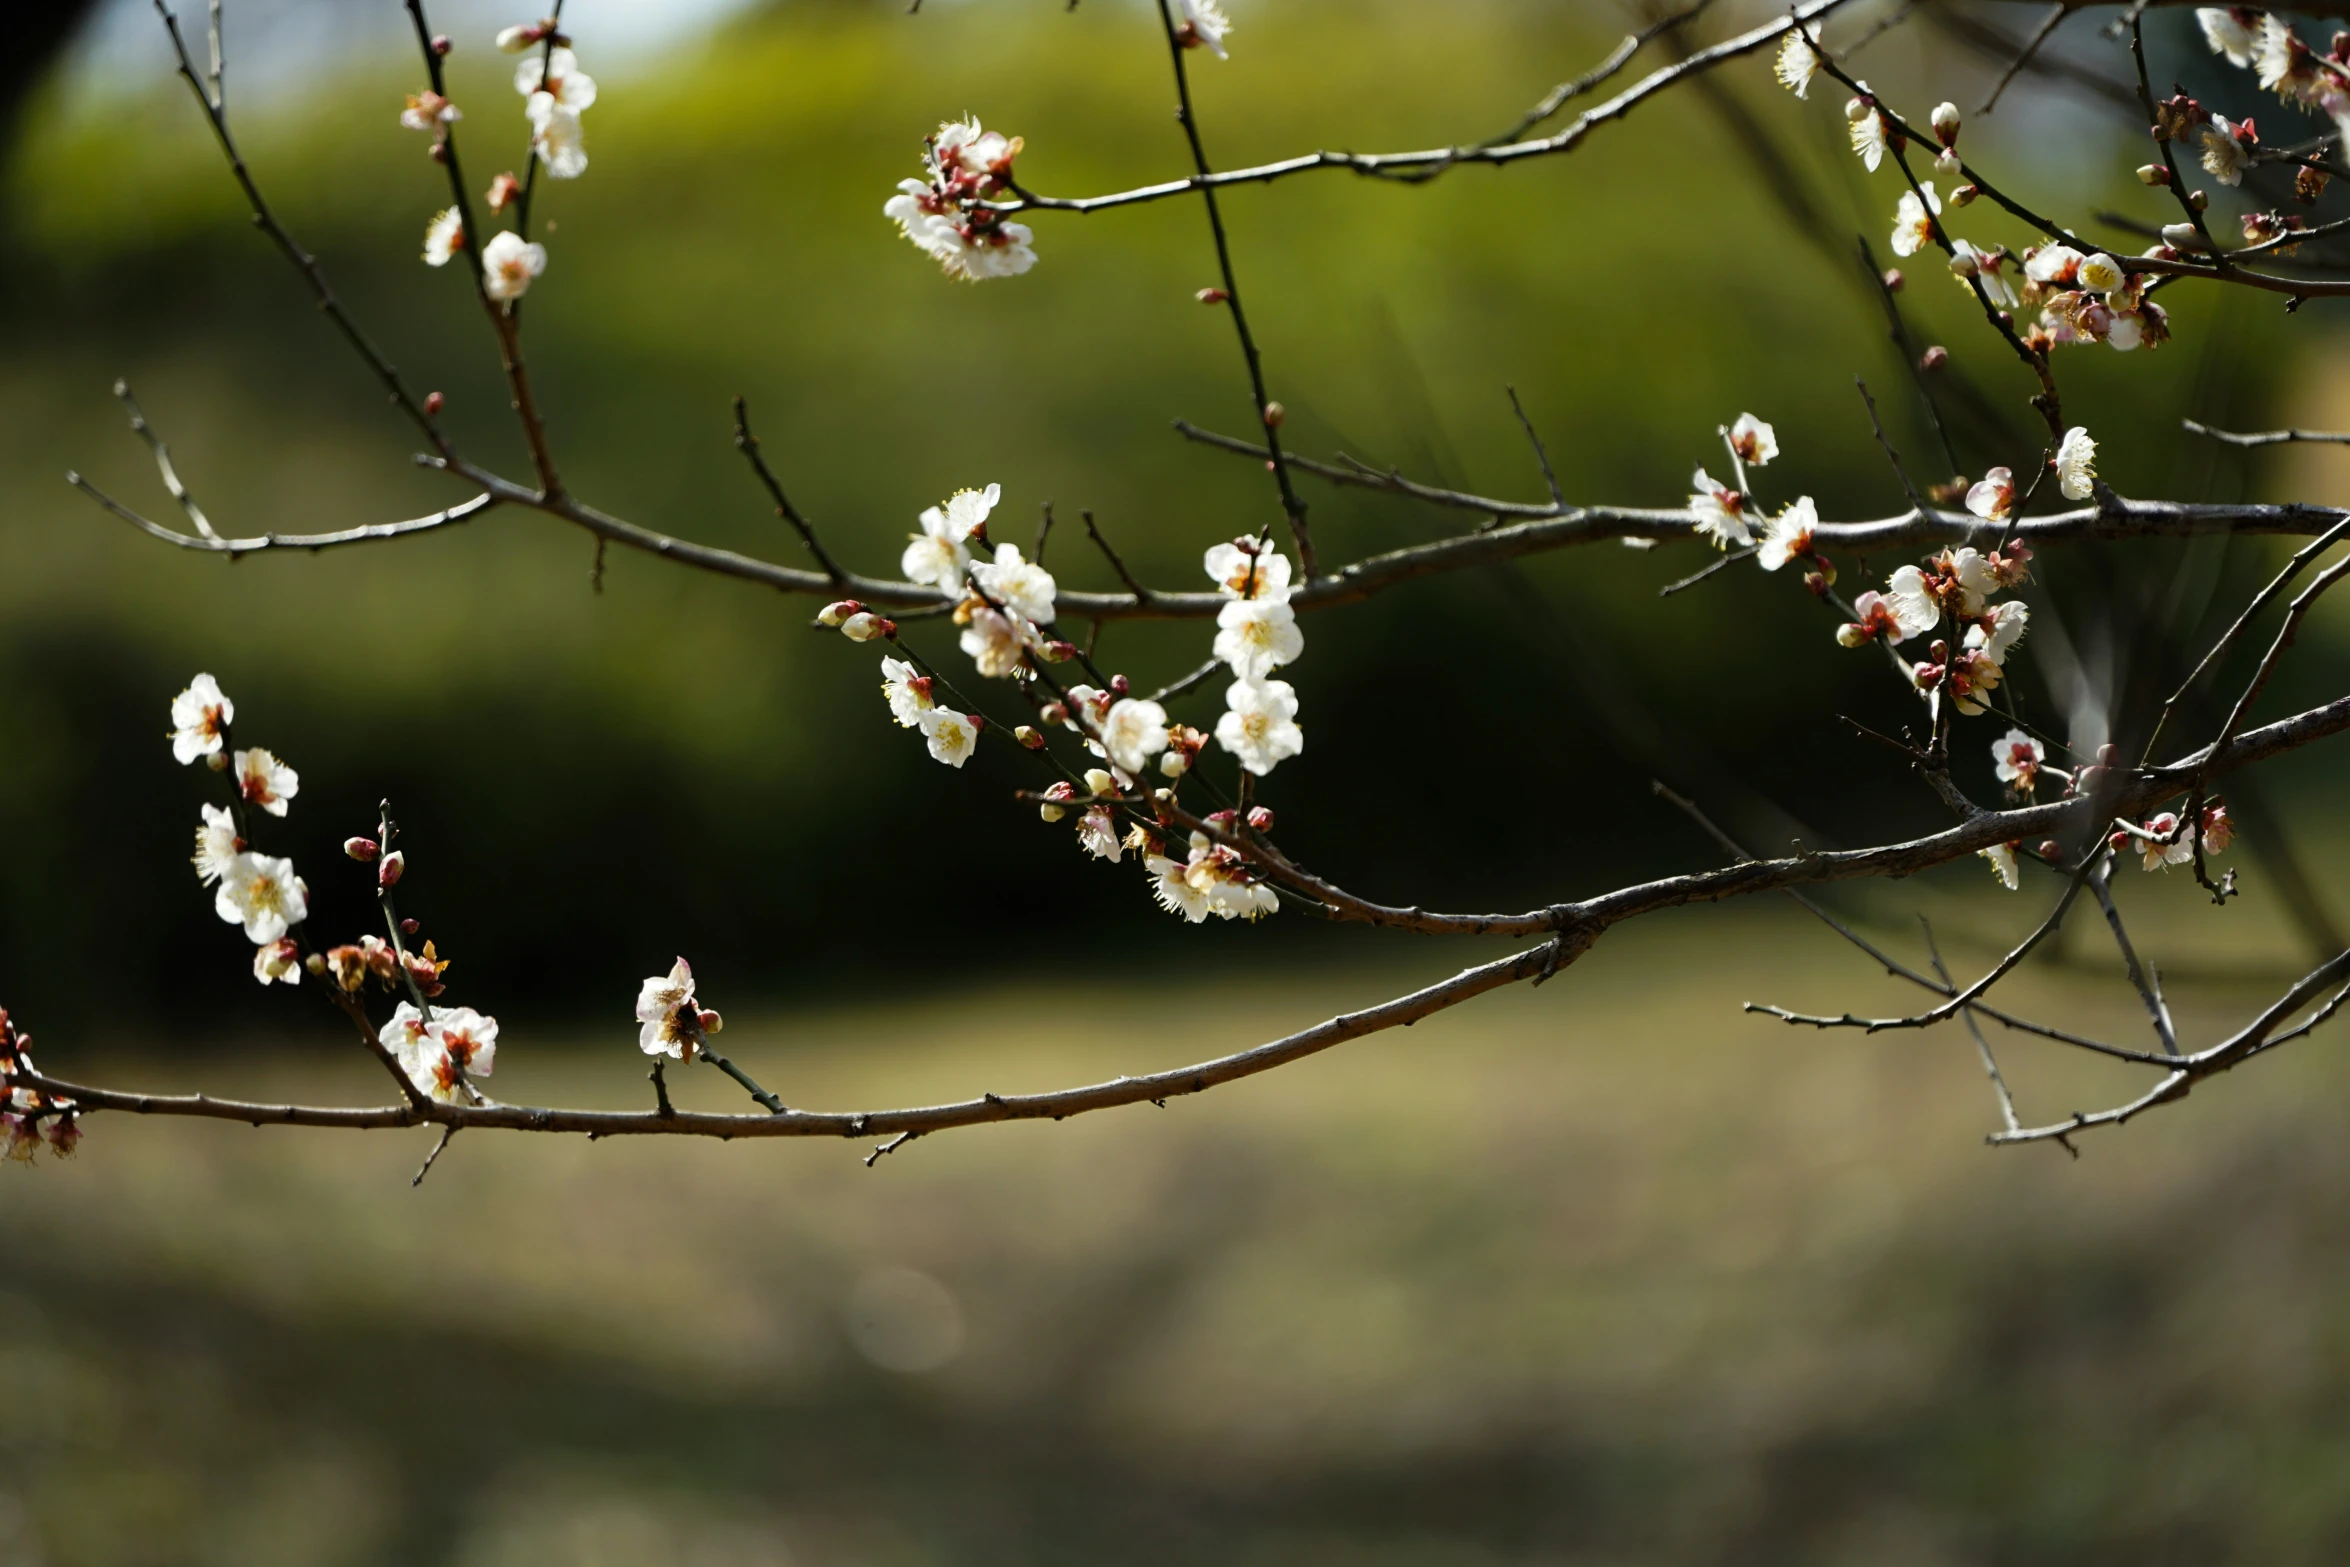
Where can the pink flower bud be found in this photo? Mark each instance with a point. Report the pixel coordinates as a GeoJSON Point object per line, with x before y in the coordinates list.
{"type": "Point", "coordinates": [1893, 280]}
{"type": "Point", "coordinates": [2052, 851]}
{"type": "Point", "coordinates": [711, 1022]}
{"type": "Point", "coordinates": [1212, 296]}
{"type": "Point", "coordinates": [1274, 414]}
{"type": "Point", "coordinates": [1055, 713]}
{"type": "Point", "coordinates": [2153, 174]}
{"type": "Point", "coordinates": [862, 626]}
{"type": "Point", "coordinates": [1222, 820]}
{"type": "Point", "coordinates": [1261, 818]}
{"type": "Point", "coordinates": [834, 614]}
{"type": "Point", "coordinates": [1934, 358]}
{"type": "Point", "coordinates": [441, 43]}
{"type": "Point", "coordinates": [1965, 195]}
{"type": "Point", "coordinates": [1061, 793]}
{"type": "Point", "coordinates": [217, 761]}
{"type": "Point", "coordinates": [432, 404]}
{"type": "Point", "coordinates": [408, 927]}
{"type": "Point", "coordinates": [1118, 684]}
{"type": "Point", "coordinates": [394, 866]}
{"type": "Point", "coordinates": [1946, 123]}
{"type": "Point", "coordinates": [1057, 652]}
{"type": "Point", "coordinates": [1028, 735]}
{"type": "Point", "coordinates": [361, 849]}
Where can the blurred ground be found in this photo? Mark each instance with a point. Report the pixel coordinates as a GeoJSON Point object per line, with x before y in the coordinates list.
{"type": "Point", "coordinates": [1605, 1273]}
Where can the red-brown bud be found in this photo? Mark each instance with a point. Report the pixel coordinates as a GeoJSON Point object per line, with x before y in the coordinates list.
{"type": "Point", "coordinates": [432, 405]}
{"type": "Point", "coordinates": [394, 866]}
{"type": "Point", "coordinates": [364, 850]}
{"type": "Point", "coordinates": [2052, 851]}
{"type": "Point", "coordinates": [1212, 296]}
{"type": "Point", "coordinates": [1894, 280]}
{"type": "Point", "coordinates": [1028, 735]}
{"type": "Point", "coordinates": [833, 614]}
{"type": "Point", "coordinates": [441, 44]}
{"type": "Point", "coordinates": [1261, 818]}
{"type": "Point", "coordinates": [1934, 358]}
{"type": "Point", "coordinates": [1119, 685]}
{"type": "Point", "coordinates": [408, 927]}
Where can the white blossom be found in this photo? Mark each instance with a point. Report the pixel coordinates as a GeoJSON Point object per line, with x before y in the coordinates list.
{"type": "Point", "coordinates": [2226, 34]}
{"type": "Point", "coordinates": [1257, 636]}
{"type": "Point", "coordinates": [2008, 622]}
{"type": "Point", "coordinates": [996, 642]}
{"type": "Point", "coordinates": [1018, 584]}
{"type": "Point", "coordinates": [1913, 220]}
{"type": "Point", "coordinates": [1916, 608]}
{"type": "Point", "coordinates": [937, 556]}
{"type": "Point", "coordinates": [2101, 274]}
{"type": "Point", "coordinates": [1868, 131]}
{"type": "Point", "coordinates": [1134, 731]}
{"type": "Point", "coordinates": [278, 962]}
{"type": "Point", "coordinates": [217, 844]}
{"type": "Point", "coordinates": [265, 781]}
{"type": "Point", "coordinates": [1788, 536]}
{"type": "Point", "coordinates": [557, 78]}
{"type": "Point", "coordinates": [2225, 155]}
{"type": "Point", "coordinates": [1259, 725]}
{"type": "Point", "coordinates": [1798, 60]}
{"type": "Point", "coordinates": [1718, 512]}
{"type": "Point", "coordinates": [262, 893]}
{"type": "Point", "coordinates": [2016, 760]}
{"type": "Point", "coordinates": [557, 137]}
{"type": "Point", "coordinates": [906, 690]}
{"type": "Point", "coordinates": [2274, 56]}
{"type": "Point", "coordinates": [1989, 267]}
{"type": "Point", "coordinates": [971, 244]}
{"type": "Point", "coordinates": [1755, 442]}
{"type": "Point", "coordinates": [672, 1021]}
{"type": "Point", "coordinates": [406, 1036]}
{"type": "Point", "coordinates": [508, 263]}
{"type": "Point", "coordinates": [1993, 495]}
{"type": "Point", "coordinates": [1097, 833]}
{"type": "Point", "coordinates": [952, 735]}
{"type": "Point", "coordinates": [1966, 574]}
{"type": "Point", "coordinates": [2053, 264]}
{"type": "Point", "coordinates": [1171, 886]}
{"type": "Point", "coordinates": [2158, 855]}
{"type": "Point", "coordinates": [444, 236]}
{"type": "Point", "coordinates": [1243, 571]}
{"type": "Point", "coordinates": [200, 717]}
{"type": "Point", "coordinates": [1203, 22]}
{"type": "Point", "coordinates": [2003, 866]}
{"type": "Point", "coordinates": [458, 1043]}
{"type": "Point", "coordinates": [2076, 464]}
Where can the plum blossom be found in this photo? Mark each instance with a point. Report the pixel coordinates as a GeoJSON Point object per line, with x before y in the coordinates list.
{"type": "Point", "coordinates": [1869, 131]}
{"type": "Point", "coordinates": [907, 690]}
{"type": "Point", "coordinates": [952, 735]}
{"type": "Point", "coordinates": [554, 91]}
{"type": "Point", "coordinates": [2157, 854]}
{"type": "Point", "coordinates": [457, 1044]}
{"type": "Point", "coordinates": [509, 263]}
{"type": "Point", "coordinates": [405, 1035]}
{"type": "Point", "coordinates": [2100, 274]}
{"type": "Point", "coordinates": [429, 111]}
{"type": "Point", "coordinates": [1755, 442]}
{"type": "Point", "coordinates": [217, 844]}
{"type": "Point", "coordinates": [1718, 512]}
{"type": "Point", "coordinates": [1915, 601]}
{"type": "Point", "coordinates": [1202, 24]}
{"type": "Point", "coordinates": [1171, 886]}
{"type": "Point", "coordinates": [262, 893]}
{"type": "Point", "coordinates": [1242, 571]}
{"type": "Point", "coordinates": [200, 717]}
{"type": "Point", "coordinates": [1997, 633]}
{"type": "Point", "coordinates": [675, 1023]}
{"type": "Point", "coordinates": [2226, 147]}
{"type": "Point", "coordinates": [2016, 760]}
{"type": "Point", "coordinates": [1893, 619]}
{"type": "Point", "coordinates": [1993, 495]}
{"type": "Point", "coordinates": [1788, 536]}
{"type": "Point", "coordinates": [937, 556]}
{"type": "Point", "coordinates": [2076, 464]}
{"type": "Point", "coordinates": [279, 961]}
{"type": "Point", "coordinates": [2285, 64]}
{"type": "Point", "coordinates": [1799, 60]}
{"type": "Point", "coordinates": [2231, 31]}
{"type": "Point", "coordinates": [1214, 880]}
{"type": "Point", "coordinates": [1913, 220]}
{"type": "Point", "coordinates": [1257, 636]}
{"type": "Point", "coordinates": [2003, 865]}
{"type": "Point", "coordinates": [1097, 833]}
{"type": "Point", "coordinates": [2219, 828]}
{"type": "Point", "coordinates": [1259, 725]}
{"type": "Point", "coordinates": [523, 35]}
{"type": "Point", "coordinates": [266, 782]}
{"type": "Point", "coordinates": [1017, 584]}
{"type": "Point", "coordinates": [947, 217]}
{"type": "Point", "coordinates": [1134, 731]}
{"type": "Point", "coordinates": [1988, 267]}
{"type": "Point", "coordinates": [996, 642]}
{"type": "Point", "coordinates": [2053, 265]}
{"type": "Point", "coordinates": [444, 236]}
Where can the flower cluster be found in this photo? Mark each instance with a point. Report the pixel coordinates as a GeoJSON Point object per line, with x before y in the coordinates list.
{"type": "Point", "coordinates": [1957, 586]}
{"type": "Point", "coordinates": [2254, 40]}
{"type": "Point", "coordinates": [442, 1051]}
{"type": "Point", "coordinates": [2090, 299]}
{"type": "Point", "coordinates": [2165, 840]}
{"type": "Point", "coordinates": [1213, 879]}
{"type": "Point", "coordinates": [257, 891]}
{"type": "Point", "coordinates": [1726, 516]}
{"type": "Point", "coordinates": [555, 91]}
{"type": "Point", "coordinates": [26, 1112]}
{"type": "Point", "coordinates": [947, 216]}
{"type": "Point", "coordinates": [1256, 633]}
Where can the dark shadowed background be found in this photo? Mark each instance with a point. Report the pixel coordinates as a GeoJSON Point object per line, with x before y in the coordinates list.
{"type": "Point", "coordinates": [1668, 1295]}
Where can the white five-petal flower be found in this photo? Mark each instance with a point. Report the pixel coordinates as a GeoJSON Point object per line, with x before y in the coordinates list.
{"type": "Point", "coordinates": [265, 782]}
{"type": "Point", "coordinates": [1257, 636]}
{"type": "Point", "coordinates": [1203, 22]}
{"type": "Point", "coordinates": [672, 1021]}
{"type": "Point", "coordinates": [907, 691]}
{"type": "Point", "coordinates": [1020, 585]}
{"type": "Point", "coordinates": [1755, 442]}
{"type": "Point", "coordinates": [1993, 495]}
{"type": "Point", "coordinates": [509, 263]}
{"type": "Point", "coordinates": [444, 236]}
{"type": "Point", "coordinates": [1913, 220]}
{"type": "Point", "coordinates": [1134, 731]}
{"type": "Point", "coordinates": [200, 717]}
{"type": "Point", "coordinates": [217, 844]}
{"type": "Point", "coordinates": [2076, 464]}
{"type": "Point", "coordinates": [2227, 34]}
{"type": "Point", "coordinates": [262, 893]}
{"type": "Point", "coordinates": [2016, 760]}
{"type": "Point", "coordinates": [1241, 571]}
{"type": "Point", "coordinates": [1788, 536]}
{"type": "Point", "coordinates": [1259, 725]}
{"type": "Point", "coordinates": [952, 735]}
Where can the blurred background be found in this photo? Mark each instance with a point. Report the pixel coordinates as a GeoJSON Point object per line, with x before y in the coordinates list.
{"type": "Point", "coordinates": [1602, 1273]}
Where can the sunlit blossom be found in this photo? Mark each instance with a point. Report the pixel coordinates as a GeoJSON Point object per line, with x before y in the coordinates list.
{"type": "Point", "coordinates": [262, 893]}
{"type": "Point", "coordinates": [200, 717]}
{"type": "Point", "coordinates": [1259, 725]}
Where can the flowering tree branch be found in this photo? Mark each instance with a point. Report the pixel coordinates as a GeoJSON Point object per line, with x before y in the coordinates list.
{"type": "Point", "coordinates": [1137, 779]}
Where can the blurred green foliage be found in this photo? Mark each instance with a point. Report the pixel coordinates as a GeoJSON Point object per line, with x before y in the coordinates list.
{"type": "Point", "coordinates": [593, 780]}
